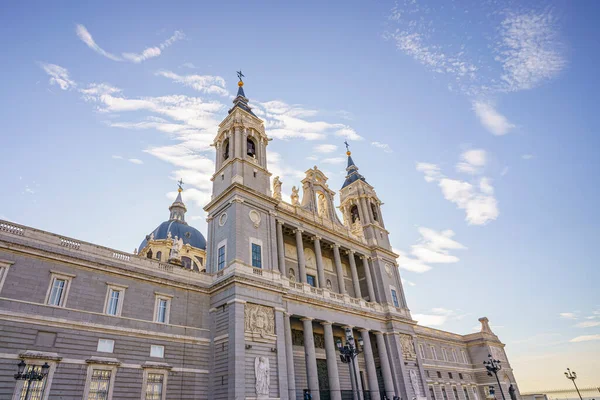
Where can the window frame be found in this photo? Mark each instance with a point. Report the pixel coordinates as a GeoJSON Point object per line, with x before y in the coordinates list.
{"type": "Point", "coordinates": [54, 275]}
{"type": "Point", "coordinates": [422, 350]}
{"type": "Point", "coordinates": [394, 294]}
{"type": "Point", "coordinates": [445, 353]}
{"type": "Point", "coordinates": [4, 267]}
{"type": "Point", "coordinates": [444, 393]}
{"type": "Point", "coordinates": [37, 362]}
{"type": "Point", "coordinates": [455, 393]}
{"type": "Point", "coordinates": [314, 279]}
{"type": "Point", "coordinates": [432, 392]}
{"type": "Point", "coordinates": [433, 352]}
{"type": "Point", "coordinates": [114, 287]}
{"type": "Point", "coordinates": [464, 356]}
{"type": "Point", "coordinates": [112, 349]}
{"type": "Point", "coordinates": [154, 371]}
{"type": "Point", "coordinates": [454, 356]}
{"type": "Point", "coordinates": [255, 242]}
{"type": "Point", "coordinates": [158, 297]}
{"type": "Point", "coordinates": [466, 393]}
{"type": "Point", "coordinates": [157, 346]}
{"type": "Point", "coordinates": [222, 244]}
{"type": "Point", "coordinates": [94, 366]}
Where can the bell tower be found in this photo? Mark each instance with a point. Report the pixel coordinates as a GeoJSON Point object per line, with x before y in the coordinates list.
{"type": "Point", "coordinates": [361, 207]}
{"type": "Point", "coordinates": [241, 147]}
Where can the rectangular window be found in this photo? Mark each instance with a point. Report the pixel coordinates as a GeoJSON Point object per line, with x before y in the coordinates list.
{"type": "Point", "coordinates": [431, 393]}
{"type": "Point", "coordinates": [154, 386]}
{"type": "Point", "coordinates": [439, 374]}
{"type": "Point", "coordinates": [450, 375]}
{"type": "Point", "coordinates": [36, 388]}
{"type": "Point", "coordinates": [427, 373]}
{"type": "Point", "coordinates": [395, 298]}
{"type": "Point", "coordinates": [99, 385]}
{"type": "Point", "coordinates": [256, 256]}
{"type": "Point", "coordinates": [475, 397]}
{"type": "Point", "coordinates": [460, 375]}
{"type": "Point", "coordinates": [464, 356]}
{"type": "Point", "coordinates": [422, 350]}
{"type": "Point", "coordinates": [157, 351]}
{"type": "Point", "coordinates": [59, 287]}
{"type": "Point", "coordinates": [310, 279]}
{"type": "Point", "coordinates": [466, 393]}
{"type": "Point", "coordinates": [113, 302]}
{"type": "Point", "coordinates": [444, 393]}
{"type": "Point", "coordinates": [454, 358]}
{"type": "Point", "coordinates": [161, 311]}
{"type": "Point", "coordinates": [455, 393]}
{"type": "Point", "coordinates": [433, 353]}
{"type": "Point", "coordinates": [221, 258]}
{"type": "Point", "coordinates": [445, 354]}
{"type": "Point", "coordinates": [105, 345]}
{"type": "Point", "coordinates": [3, 273]}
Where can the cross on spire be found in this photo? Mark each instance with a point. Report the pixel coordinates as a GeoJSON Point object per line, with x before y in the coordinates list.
{"type": "Point", "coordinates": [180, 184]}
{"type": "Point", "coordinates": [240, 75]}
{"type": "Point", "coordinates": [347, 145]}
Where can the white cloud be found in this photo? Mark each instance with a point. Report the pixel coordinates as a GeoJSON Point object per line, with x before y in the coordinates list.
{"type": "Point", "coordinates": [325, 148]}
{"type": "Point", "coordinates": [58, 76]}
{"type": "Point", "coordinates": [491, 119]}
{"type": "Point", "coordinates": [568, 315]}
{"type": "Point", "coordinates": [527, 156]}
{"type": "Point", "coordinates": [431, 171]}
{"type": "Point", "coordinates": [437, 317]}
{"type": "Point", "coordinates": [432, 248]}
{"type": "Point", "coordinates": [406, 282]}
{"type": "Point", "coordinates": [135, 161]}
{"type": "Point", "coordinates": [334, 160]}
{"type": "Point", "coordinates": [94, 90]}
{"type": "Point", "coordinates": [188, 65]}
{"type": "Point", "coordinates": [117, 157]}
{"type": "Point", "coordinates": [585, 338]}
{"type": "Point", "coordinates": [384, 146]}
{"type": "Point", "coordinates": [202, 83]}
{"type": "Point", "coordinates": [529, 49]}
{"type": "Point", "coordinates": [198, 197]}
{"type": "Point", "coordinates": [472, 162]}
{"type": "Point", "coordinates": [348, 133]}
{"type": "Point", "coordinates": [588, 324]}
{"type": "Point", "coordinates": [149, 52]}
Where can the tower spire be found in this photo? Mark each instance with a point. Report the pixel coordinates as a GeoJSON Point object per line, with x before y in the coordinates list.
{"type": "Point", "coordinates": [178, 209]}
{"type": "Point", "coordinates": [351, 169]}
{"type": "Point", "coordinates": [241, 100]}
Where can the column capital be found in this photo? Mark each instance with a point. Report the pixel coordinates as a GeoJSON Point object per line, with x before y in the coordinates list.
{"type": "Point", "coordinates": [280, 222]}
{"type": "Point", "coordinates": [279, 309]}
{"type": "Point", "coordinates": [316, 237]}
{"type": "Point", "coordinates": [377, 333]}
{"type": "Point", "coordinates": [298, 230]}
{"type": "Point", "coordinates": [349, 251]}
{"type": "Point", "coordinates": [326, 323]}
{"type": "Point", "coordinates": [347, 326]}
{"type": "Point", "coordinates": [335, 246]}
{"type": "Point", "coordinates": [363, 329]}
{"type": "Point", "coordinates": [287, 314]}
{"type": "Point", "coordinates": [306, 319]}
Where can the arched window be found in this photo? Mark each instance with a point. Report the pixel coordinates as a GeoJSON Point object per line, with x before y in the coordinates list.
{"type": "Point", "coordinates": [354, 213]}
{"type": "Point", "coordinates": [158, 255]}
{"type": "Point", "coordinates": [187, 262]}
{"type": "Point", "coordinates": [374, 212]}
{"type": "Point", "coordinates": [250, 148]}
{"type": "Point", "coordinates": [149, 254]}
{"type": "Point", "coordinates": [226, 149]}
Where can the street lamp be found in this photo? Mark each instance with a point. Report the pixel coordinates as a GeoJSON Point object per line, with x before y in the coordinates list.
{"type": "Point", "coordinates": [493, 366]}
{"type": "Point", "coordinates": [348, 353]}
{"type": "Point", "coordinates": [572, 376]}
{"type": "Point", "coordinates": [31, 375]}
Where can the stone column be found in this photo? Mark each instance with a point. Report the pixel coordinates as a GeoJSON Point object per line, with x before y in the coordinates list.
{"type": "Point", "coordinates": [289, 352]}
{"type": "Point", "coordinates": [237, 133]}
{"type": "Point", "coordinates": [320, 269]}
{"type": "Point", "coordinates": [237, 351]}
{"type": "Point", "coordinates": [366, 210]}
{"type": "Point", "coordinates": [332, 366]}
{"type": "Point", "coordinates": [281, 353]}
{"type": "Point", "coordinates": [370, 364]}
{"type": "Point", "coordinates": [338, 268]}
{"type": "Point", "coordinates": [367, 269]}
{"type": "Point", "coordinates": [312, 377]}
{"type": "Point", "coordinates": [281, 249]}
{"type": "Point", "coordinates": [354, 272]}
{"type": "Point", "coordinates": [386, 372]}
{"type": "Point", "coordinates": [301, 260]}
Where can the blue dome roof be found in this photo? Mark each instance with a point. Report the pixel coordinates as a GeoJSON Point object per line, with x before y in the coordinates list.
{"type": "Point", "coordinates": [188, 234]}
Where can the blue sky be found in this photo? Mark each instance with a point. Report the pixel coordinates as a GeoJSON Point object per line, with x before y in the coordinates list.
{"type": "Point", "coordinates": [476, 123]}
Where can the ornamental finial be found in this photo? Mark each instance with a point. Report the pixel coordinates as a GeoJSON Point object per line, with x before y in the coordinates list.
{"type": "Point", "coordinates": [240, 76]}
{"type": "Point", "coordinates": [347, 148]}
{"type": "Point", "coordinates": [180, 184]}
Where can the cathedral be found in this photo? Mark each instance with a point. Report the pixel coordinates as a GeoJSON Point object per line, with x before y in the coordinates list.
{"type": "Point", "coordinates": [281, 300]}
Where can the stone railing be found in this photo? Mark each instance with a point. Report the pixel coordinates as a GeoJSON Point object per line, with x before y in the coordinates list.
{"type": "Point", "coordinates": [92, 252]}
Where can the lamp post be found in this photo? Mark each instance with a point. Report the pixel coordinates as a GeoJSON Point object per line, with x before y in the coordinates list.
{"type": "Point", "coordinates": [493, 366]}
{"type": "Point", "coordinates": [572, 376]}
{"type": "Point", "coordinates": [348, 353]}
{"type": "Point", "coordinates": [31, 375]}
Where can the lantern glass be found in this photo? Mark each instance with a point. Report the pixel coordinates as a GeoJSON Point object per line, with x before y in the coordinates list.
{"type": "Point", "coordinates": [21, 367]}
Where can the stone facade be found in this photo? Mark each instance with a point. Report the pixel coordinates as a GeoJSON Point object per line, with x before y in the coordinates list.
{"type": "Point", "coordinates": [282, 284]}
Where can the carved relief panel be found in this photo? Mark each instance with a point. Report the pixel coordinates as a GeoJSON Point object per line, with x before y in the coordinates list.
{"type": "Point", "coordinates": [408, 347]}
{"type": "Point", "coordinates": [259, 321]}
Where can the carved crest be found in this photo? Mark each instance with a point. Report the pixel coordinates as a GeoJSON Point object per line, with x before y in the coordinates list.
{"type": "Point", "coordinates": [259, 320]}
{"type": "Point", "coordinates": [408, 347]}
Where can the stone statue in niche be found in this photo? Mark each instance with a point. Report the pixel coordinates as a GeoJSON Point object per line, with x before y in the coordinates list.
{"type": "Point", "coordinates": [175, 248]}
{"type": "Point", "coordinates": [262, 374]}
{"type": "Point", "coordinates": [277, 188]}
{"type": "Point", "coordinates": [259, 320]}
{"type": "Point", "coordinates": [408, 347]}
{"type": "Point", "coordinates": [414, 382]}
{"type": "Point", "coordinates": [322, 206]}
{"type": "Point", "coordinates": [295, 196]}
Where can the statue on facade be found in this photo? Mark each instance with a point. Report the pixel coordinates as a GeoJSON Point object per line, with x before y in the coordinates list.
{"type": "Point", "coordinates": [262, 372]}
{"type": "Point", "coordinates": [512, 392]}
{"type": "Point", "coordinates": [175, 248]}
{"type": "Point", "coordinates": [277, 188]}
{"type": "Point", "coordinates": [322, 206]}
{"type": "Point", "coordinates": [414, 382]}
{"type": "Point", "coordinates": [295, 196]}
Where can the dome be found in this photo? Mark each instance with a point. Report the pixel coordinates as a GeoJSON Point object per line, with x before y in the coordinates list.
{"type": "Point", "coordinates": [188, 234]}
